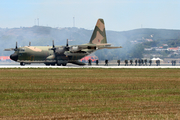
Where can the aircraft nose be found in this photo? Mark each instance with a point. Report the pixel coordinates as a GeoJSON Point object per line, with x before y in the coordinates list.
{"type": "Point", "coordinates": [14, 57]}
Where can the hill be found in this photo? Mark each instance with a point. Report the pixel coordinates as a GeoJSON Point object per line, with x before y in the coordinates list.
{"type": "Point", "coordinates": [133, 41]}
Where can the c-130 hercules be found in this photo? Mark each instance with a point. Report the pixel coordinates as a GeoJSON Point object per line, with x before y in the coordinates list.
{"type": "Point", "coordinates": [61, 55]}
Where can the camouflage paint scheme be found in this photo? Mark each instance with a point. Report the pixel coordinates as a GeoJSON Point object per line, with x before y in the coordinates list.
{"type": "Point", "coordinates": [61, 55]}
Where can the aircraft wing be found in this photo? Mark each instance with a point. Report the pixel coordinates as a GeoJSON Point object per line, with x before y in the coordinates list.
{"type": "Point", "coordinates": [9, 49]}
{"type": "Point", "coordinates": [98, 46]}
{"type": "Point", "coordinates": [109, 47]}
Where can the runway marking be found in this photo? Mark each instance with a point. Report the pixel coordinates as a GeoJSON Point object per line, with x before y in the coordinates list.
{"type": "Point", "coordinates": [90, 67]}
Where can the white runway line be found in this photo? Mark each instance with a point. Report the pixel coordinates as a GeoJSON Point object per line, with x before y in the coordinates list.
{"type": "Point", "coordinates": [89, 66]}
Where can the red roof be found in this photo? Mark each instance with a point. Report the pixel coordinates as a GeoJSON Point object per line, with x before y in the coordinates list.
{"type": "Point", "coordinates": [173, 48]}
{"type": "Point", "coordinates": [4, 58]}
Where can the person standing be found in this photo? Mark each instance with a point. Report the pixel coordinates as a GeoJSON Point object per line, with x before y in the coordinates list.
{"type": "Point", "coordinates": [131, 61]}
{"type": "Point", "coordinates": [157, 63]}
{"type": "Point", "coordinates": [142, 62]}
{"type": "Point", "coordinates": [139, 61]}
{"type": "Point", "coordinates": [106, 62]}
{"type": "Point", "coordinates": [145, 61]}
{"type": "Point", "coordinates": [89, 62]}
{"type": "Point", "coordinates": [97, 61]}
{"type": "Point", "coordinates": [150, 62]}
{"type": "Point", "coordinates": [135, 62]}
{"type": "Point", "coordinates": [172, 62]}
{"type": "Point", "coordinates": [118, 61]}
{"type": "Point", "coordinates": [126, 62]}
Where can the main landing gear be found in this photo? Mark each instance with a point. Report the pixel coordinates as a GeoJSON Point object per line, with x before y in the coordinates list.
{"type": "Point", "coordinates": [53, 64]}
{"type": "Point", "coordinates": [22, 64]}
{"type": "Point", "coordinates": [63, 64]}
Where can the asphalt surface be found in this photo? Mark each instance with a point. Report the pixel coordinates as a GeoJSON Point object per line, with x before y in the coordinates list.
{"type": "Point", "coordinates": [101, 65]}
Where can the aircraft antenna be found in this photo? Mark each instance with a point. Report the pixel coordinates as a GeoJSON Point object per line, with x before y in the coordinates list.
{"type": "Point", "coordinates": [73, 21]}
{"type": "Point", "coordinates": [38, 21]}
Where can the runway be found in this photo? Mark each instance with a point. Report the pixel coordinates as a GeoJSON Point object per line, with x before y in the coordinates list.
{"type": "Point", "coordinates": [86, 66]}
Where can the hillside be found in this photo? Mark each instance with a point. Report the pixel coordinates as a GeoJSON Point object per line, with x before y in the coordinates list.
{"type": "Point", "coordinates": [132, 41]}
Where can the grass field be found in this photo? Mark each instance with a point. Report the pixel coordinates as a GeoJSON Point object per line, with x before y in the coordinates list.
{"type": "Point", "coordinates": [89, 93]}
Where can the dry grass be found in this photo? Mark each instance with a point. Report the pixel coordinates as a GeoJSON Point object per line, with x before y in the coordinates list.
{"type": "Point", "coordinates": [90, 93]}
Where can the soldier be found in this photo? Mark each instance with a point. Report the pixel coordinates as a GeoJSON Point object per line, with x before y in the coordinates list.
{"type": "Point", "coordinates": [106, 62]}
{"type": "Point", "coordinates": [89, 62]}
{"type": "Point", "coordinates": [139, 61]}
{"type": "Point", "coordinates": [97, 61]}
{"type": "Point", "coordinates": [126, 62]}
{"type": "Point", "coordinates": [142, 62]}
{"type": "Point", "coordinates": [172, 62]}
{"type": "Point", "coordinates": [156, 62]}
{"type": "Point", "coordinates": [131, 61]}
{"type": "Point", "coordinates": [159, 62]}
{"type": "Point", "coordinates": [135, 62]}
{"type": "Point", "coordinates": [118, 61]}
{"type": "Point", "coordinates": [150, 61]}
{"type": "Point", "coordinates": [145, 61]}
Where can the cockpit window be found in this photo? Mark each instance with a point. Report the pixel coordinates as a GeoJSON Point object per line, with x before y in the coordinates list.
{"type": "Point", "coordinates": [22, 49]}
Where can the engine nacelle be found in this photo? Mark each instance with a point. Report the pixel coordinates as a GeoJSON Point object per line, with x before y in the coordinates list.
{"type": "Point", "coordinates": [60, 50]}
{"type": "Point", "coordinates": [74, 49]}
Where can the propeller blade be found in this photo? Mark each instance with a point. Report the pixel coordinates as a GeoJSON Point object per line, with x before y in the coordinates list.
{"type": "Point", "coordinates": [9, 49]}
{"type": "Point", "coordinates": [53, 43]}
{"type": "Point", "coordinates": [53, 46]}
{"type": "Point", "coordinates": [67, 46]}
{"type": "Point", "coordinates": [16, 46]}
{"type": "Point", "coordinates": [67, 43]}
{"type": "Point", "coordinates": [12, 49]}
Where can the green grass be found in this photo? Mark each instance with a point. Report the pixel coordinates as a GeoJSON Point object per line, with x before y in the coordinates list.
{"type": "Point", "coordinates": [90, 93]}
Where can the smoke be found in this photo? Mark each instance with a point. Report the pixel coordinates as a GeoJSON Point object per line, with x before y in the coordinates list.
{"type": "Point", "coordinates": [131, 41]}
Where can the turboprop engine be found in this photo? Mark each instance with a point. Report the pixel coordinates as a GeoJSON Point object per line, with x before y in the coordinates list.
{"type": "Point", "coordinates": [74, 49]}
{"type": "Point", "coordinates": [60, 50]}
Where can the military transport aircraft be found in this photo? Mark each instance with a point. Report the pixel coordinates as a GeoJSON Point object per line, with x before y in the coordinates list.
{"type": "Point", "coordinates": [61, 55]}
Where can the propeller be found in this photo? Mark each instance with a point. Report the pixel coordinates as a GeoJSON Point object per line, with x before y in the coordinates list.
{"type": "Point", "coordinates": [67, 46]}
{"type": "Point", "coordinates": [60, 50]}
{"type": "Point", "coordinates": [29, 43]}
{"type": "Point", "coordinates": [12, 49]}
{"type": "Point", "coordinates": [53, 47]}
{"type": "Point", "coordinates": [67, 43]}
{"type": "Point", "coordinates": [16, 47]}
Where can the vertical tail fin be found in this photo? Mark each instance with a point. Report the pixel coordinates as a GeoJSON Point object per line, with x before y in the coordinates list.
{"type": "Point", "coordinates": [99, 33]}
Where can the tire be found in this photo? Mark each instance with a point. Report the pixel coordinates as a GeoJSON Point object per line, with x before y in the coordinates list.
{"type": "Point", "coordinates": [47, 64]}
{"type": "Point", "coordinates": [58, 64]}
{"type": "Point", "coordinates": [22, 64]}
{"type": "Point", "coordinates": [64, 64]}
{"type": "Point", "coordinates": [53, 64]}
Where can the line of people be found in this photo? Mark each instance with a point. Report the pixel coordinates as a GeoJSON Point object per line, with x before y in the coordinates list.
{"type": "Point", "coordinates": [173, 62]}
{"type": "Point", "coordinates": [139, 62]}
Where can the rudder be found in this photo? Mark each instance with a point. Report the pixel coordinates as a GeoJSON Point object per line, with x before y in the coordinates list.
{"type": "Point", "coordinates": [99, 33]}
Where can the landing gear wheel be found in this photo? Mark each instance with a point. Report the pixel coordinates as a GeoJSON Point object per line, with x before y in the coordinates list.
{"type": "Point", "coordinates": [64, 64]}
{"type": "Point", "coordinates": [22, 64]}
{"type": "Point", "coordinates": [58, 64]}
{"type": "Point", "coordinates": [47, 64]}
{"type": "Point", "coordinates": [53, 64]}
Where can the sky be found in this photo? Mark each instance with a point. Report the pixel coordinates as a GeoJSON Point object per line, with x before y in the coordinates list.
{"type": "Point", "coordinates": [118, 15]}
